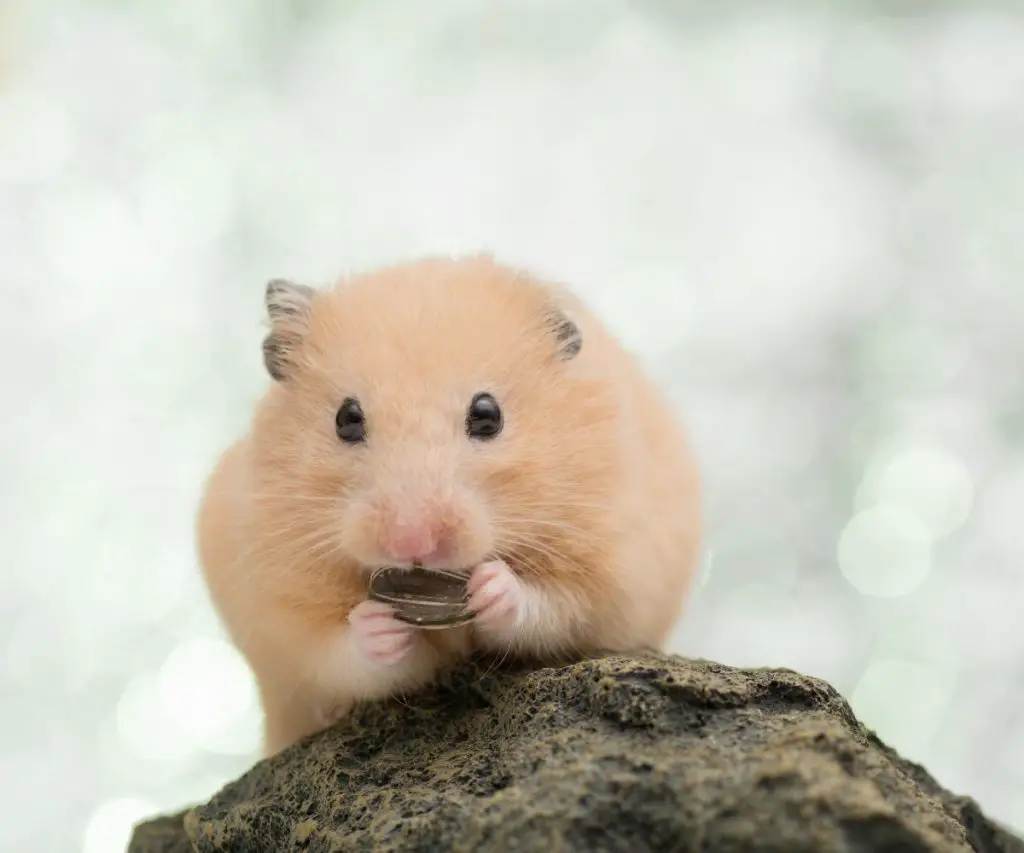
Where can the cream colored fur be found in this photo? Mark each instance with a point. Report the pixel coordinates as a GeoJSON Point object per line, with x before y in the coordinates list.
{"type": "Point", "coordinates": [589, 494]}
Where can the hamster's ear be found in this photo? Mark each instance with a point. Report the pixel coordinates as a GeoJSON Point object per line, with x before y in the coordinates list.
{"type": "Point", "coordinates": [567, 333]}
{"type": "Point", "coordinates": [288, 309]}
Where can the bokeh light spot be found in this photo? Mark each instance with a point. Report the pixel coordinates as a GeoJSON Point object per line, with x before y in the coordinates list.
{"type": "Point", "coordinates": [90, 237]}
{"type": "Point", "coordinates": [209, 692]}
{"type": "Point", "coordinates": [884, 551]}
{"type": "Point", "coordinates": [37, 139]}
{"type": "Point", "coordinates": [928, 481]}
{"type": "Point", "coordinates": [791, 631]}
{"type": "Point", "coordinates": [923, 634]}
{"type": "Point", "coordinates": [903, 701]}
{"type": "Point", "coordinates": [110, 827]}
{"type": "Point", "coordinates": [186, 196]}
{"type": "Point", "coordinates": [144, 725]}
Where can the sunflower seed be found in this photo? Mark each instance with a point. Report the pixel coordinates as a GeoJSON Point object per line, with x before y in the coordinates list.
{"type": "Point", "coordinates": [426, 598]}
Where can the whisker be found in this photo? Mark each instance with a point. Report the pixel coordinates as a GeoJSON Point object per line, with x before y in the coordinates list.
{"type": "Point", "coordinates": [544, 523]}
{"type": "Point", "coordinates": [541, 548]}
{"type": "Point", "coordinates": [313, 546]}
{"type": "Point", "coordinates": [554, 505]}
{"type": "Point", "coordinates": [295, 496]}
{"type": "Point", "coordinates": [496, 663]}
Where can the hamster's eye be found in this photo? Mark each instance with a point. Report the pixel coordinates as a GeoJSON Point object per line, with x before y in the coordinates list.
{"type": "Point", "coordinates": [483, 419]}
{"type": "Point", "coordinates": [350, 422]}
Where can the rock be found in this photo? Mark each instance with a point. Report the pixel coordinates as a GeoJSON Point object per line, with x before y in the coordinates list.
{"type": "Point", "coordinates": [646, 753]}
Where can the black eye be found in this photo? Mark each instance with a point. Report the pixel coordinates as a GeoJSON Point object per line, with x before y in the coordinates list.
{"type": "Point", "coordinates": [350, 422]}
{"type": "Point", "coordinates": [483, 420]}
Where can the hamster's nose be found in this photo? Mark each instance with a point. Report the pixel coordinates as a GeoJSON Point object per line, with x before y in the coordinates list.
{"type": "Point", "coordinates": [420, 541]}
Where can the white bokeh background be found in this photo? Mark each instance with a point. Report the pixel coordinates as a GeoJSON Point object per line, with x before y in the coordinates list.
{"type": "Point", "coordinates": [808, 217]}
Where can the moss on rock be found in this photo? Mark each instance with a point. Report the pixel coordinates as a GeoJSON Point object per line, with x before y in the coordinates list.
{"type": "Point", "coordinates": [642, 753]}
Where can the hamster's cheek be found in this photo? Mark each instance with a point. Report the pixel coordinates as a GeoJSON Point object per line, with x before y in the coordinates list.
{"type": "Point", "coordinates": [359, 530]}
{"type": "Point", "coordinates": [475, 526]}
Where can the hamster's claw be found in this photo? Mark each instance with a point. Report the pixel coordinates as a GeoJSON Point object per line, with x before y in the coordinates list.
{"type": "Point", "coordinates": [379, 635]}
{"type": "Point", "coordinates": [495, 595]}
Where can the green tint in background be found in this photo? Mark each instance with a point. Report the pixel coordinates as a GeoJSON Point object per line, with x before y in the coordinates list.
{"type": "Point", "coordinates": [807, 217]}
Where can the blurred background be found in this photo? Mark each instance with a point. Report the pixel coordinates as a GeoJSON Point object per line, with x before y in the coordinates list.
{"type": "Point", "coordinates": [807, 217]}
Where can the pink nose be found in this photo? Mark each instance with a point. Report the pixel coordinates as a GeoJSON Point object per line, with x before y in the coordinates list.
{"type": "Point", "coordinates": [417, 542]}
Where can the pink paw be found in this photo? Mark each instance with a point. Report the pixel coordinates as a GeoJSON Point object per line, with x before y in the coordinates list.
{"type": "Point", "coordinates": [378, 634]}
{"type": "Point", "coordinates": [495, 595]}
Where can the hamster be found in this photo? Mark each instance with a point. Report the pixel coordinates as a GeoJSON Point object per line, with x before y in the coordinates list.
{"type": "Point", "coordinates": [455, 414]}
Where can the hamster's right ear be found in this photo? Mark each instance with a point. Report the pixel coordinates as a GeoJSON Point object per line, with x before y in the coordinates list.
{"type": "Point", "coordinates": [289, 306]}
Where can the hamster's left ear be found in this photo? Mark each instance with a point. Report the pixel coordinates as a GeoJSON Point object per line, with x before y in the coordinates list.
{"type": "Point", "coordinates": [567, 333]}
{"type": "Point", "coordinates": [289, 306]}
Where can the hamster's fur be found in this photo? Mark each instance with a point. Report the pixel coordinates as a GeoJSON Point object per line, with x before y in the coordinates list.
{"type": "Point", "coordinates": [578, 520]}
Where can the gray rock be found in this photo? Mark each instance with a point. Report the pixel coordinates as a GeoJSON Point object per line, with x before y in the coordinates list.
{"type": "Point", "coordinates": [646, 753]}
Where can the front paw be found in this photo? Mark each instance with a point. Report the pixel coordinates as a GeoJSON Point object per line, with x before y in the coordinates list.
{"type": "Point", "coordinates": [379, 635]}
{"type": "Point", "coordinates": [495, 595]}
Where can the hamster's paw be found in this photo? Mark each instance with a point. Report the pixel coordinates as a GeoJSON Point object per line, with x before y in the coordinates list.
{"type": "Point", "coordinates": [495, 595]}
{"type": "Point", "coordinates": [379, 635]}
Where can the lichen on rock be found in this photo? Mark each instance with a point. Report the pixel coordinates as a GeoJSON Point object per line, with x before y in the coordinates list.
{"type": "Point", "coordinates": [619, 753]}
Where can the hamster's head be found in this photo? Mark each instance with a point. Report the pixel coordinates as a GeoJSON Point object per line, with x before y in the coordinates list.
{"type": "Point", "coordinates": [439, 413]}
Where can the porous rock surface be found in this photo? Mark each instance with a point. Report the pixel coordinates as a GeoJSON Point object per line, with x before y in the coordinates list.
{"type": "Point", "coordinates": [643, 753]}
